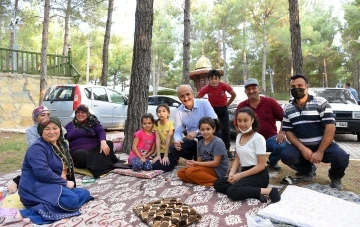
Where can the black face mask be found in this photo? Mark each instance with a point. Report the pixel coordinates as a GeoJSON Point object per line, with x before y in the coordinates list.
{"type": "Point", "coordinates": [298, 93]}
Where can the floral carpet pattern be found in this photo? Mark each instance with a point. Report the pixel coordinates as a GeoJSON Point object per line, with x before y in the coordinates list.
{"type": "Point", "coordinates": [115, 195]}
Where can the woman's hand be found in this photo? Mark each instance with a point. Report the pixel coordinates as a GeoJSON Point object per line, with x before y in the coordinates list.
{"type": "Point", "coordinates": [165, 160]}
{"type": "Point", "coordinates": [158, 157]}
{"type": "Point", "coordinates": [11, 186]}
{"type": "Point", "coordinates": [70, 184]}
{"type": "Point", "coordinates": [104, 147]}
{"type": "Point", "coordinates": [233, 178]}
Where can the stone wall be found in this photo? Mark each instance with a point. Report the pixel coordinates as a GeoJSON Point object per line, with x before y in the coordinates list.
{"type": "Point", "coordinates": [19, 95]}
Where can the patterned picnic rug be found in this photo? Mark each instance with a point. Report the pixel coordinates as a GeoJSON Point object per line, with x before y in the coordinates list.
{"type": "Point", "coordinates": [115, 195]}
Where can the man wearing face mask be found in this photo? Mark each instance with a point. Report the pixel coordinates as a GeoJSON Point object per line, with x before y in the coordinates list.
{"type": "Point", "coordinates": [309, 125]}
{"type": "Point", "coordinates": [268, 111]}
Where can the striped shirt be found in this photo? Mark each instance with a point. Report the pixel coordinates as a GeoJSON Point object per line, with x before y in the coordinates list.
{"type": "Point", "coordinates": [308, 124]}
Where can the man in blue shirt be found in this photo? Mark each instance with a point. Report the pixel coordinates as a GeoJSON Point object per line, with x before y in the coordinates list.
{"type": "Point", "coordinates": [187, 118]}
{"type": "Point", "coordinates": [352, 90]}
{"type": "Point", "coordinates": [309, 126]}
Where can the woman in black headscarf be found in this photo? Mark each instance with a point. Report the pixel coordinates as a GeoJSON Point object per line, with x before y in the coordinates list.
{"type": "Point", "coordinates": [88, 145]}
{"type": "Point", "coordinates": [47, 185]}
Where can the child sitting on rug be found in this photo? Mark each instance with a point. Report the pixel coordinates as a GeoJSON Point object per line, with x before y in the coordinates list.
{"type": "Point", "coordinates": [164, 130]}
{"type": "Point", "coordinates": [212, 159]}
{"type": "Point", "coordinates": [250, 146]}
{"type": "Point", "coordinates": [143, 145]}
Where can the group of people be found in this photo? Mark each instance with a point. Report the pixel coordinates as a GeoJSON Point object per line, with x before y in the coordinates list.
{"type": "Point", "coordinates": [47, 186]}
{"type": "Point", "coordinates": [200, 135]}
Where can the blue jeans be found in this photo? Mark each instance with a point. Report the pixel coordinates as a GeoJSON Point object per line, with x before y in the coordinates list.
{"type": "Point", "coordinates": [275, 149]}
{"type": "Point", "coordinates": [333, 154]}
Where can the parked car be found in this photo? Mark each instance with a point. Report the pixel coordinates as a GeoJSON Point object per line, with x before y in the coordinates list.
{"type": "Point", "coordinates": [346, 109]}
{"type": "Point", "coordinates": [109, 106]}
{"type": "Point", "coordinates": [172, 101]}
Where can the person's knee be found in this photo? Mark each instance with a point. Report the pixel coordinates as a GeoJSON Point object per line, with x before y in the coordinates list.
{"type": "Point", "coordinates": [147, 166]}
{"type": "Point", "coordinates": [217, 184]}
{"type": "Point", "coordinates": [233, 194]}
{"type": "Point", "coordinates": [181, 173]}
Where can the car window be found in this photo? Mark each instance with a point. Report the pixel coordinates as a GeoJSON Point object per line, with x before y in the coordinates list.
{"type": "Point", "coordinates": [335, 95]}
{"type": "Point", "coordinates": [100, 94]}
{"type": "Point", "coordinates": [88, 92]}
{"type": "Point", "coordinates": [169, 101]}
{"type": "Point", "coordinates": [116, 97]}
{"type": "Point", "coordinates": [59, 93]}
{"type": "Point", "coordinates": [151, 101]}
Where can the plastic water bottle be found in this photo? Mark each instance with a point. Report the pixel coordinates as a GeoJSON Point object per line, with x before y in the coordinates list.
{"type": "Point", "coordinates": [2, 195]}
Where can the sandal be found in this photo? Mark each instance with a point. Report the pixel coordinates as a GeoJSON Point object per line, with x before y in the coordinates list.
{"type": "Point", "coordinates": [289, 180]}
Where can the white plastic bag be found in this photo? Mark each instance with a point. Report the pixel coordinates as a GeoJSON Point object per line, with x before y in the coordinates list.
{"type": "Point", "coordinates": [256, 221]}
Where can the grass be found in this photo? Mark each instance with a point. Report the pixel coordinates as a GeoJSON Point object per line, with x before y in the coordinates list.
{"type": "Point", "coordinates": [350, 181]}
{"type": "Point", "coordinates": [12, 150]}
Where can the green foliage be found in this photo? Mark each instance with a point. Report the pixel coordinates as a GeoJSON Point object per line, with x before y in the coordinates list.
{"type": "Point", "coordinates": [241, 22]}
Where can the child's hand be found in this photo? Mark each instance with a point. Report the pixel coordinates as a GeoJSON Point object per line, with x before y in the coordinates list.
{"type": "Point", "coordinates": [143, 159]}
{"type": "Point", "coordinates": [233, 178]}
{"type": "Point", "coordinates": [158, 157]}
{"type": "Point", "coordinates": [165, 161]}
{"type": "Point", "coordinates": [190, 163]}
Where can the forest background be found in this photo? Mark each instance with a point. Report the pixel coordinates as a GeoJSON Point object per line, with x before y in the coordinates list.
{"type": "Point", "coordinates": [237, 36]}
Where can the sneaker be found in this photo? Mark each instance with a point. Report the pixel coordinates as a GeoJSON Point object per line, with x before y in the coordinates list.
{"type": "Point", "coordinates": [275, 167]}
{"type": "Point", "coordinates": [336, 183]}
{"type": "Point", "coordinates": [309, 176]}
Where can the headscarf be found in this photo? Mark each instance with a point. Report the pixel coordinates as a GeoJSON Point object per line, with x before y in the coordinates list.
{"type": "Point", "coordinates": [90, 121]}
{"type": "Point", "coordinates": [63, 152]}
{"type": "Point", "coordinates": [37, 111]}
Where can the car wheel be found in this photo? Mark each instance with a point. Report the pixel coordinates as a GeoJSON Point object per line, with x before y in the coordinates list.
{"type": "Point", "coordinates": [358, 136]}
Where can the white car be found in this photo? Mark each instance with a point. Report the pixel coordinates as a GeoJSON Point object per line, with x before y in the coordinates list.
{"type": "Point", "coordinates": [172, 101]}
{"type": "Point", "coordinates": [345, 108]}
{"type": "Point", "coordinates": [108, 105]}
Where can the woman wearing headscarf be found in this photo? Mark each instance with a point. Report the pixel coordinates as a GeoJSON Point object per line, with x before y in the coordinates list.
{"type": "Point", "coordinates": [39, 114]}
{"type": "Point", "coordinates": [47, 185]}
{"type": "Point", "coordinates": [88, 145]}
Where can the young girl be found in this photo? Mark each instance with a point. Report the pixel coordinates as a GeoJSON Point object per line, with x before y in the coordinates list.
{"type": "Point", "coordinates": [253, 179]}
{"type": "Point", "coordinates": [143, 145]}
{"type": "Point", "coordinates": [164, 130]}
{"type": "Point", "coordinates": [212, 159]}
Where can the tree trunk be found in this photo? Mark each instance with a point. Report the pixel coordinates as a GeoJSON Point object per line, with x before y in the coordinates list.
{"type": "Point", "coordinates": [263, 75]}
{"type": "Point", "coordinates": [186, 44]}
{"type": "Point", "coordinates": [157, 76]}
{"type": "Point", "coordinates": [295, 32]}
{"type": "Point", "coordinates": [66, 29]}
{"type": "Point", "coordinates": [245, 65]}
{"type": "Point", "coordinates": [140, 70]}
{"type": "Point", "coordinates": [224, 55]}
{"type": "Point", "coordinates": [105, 54]}
{"type": "Point", "coordinates": [44, 46]}
{"type": "Point", "coordinates": [88, 60]}
{"type": "Point", "coordinates": [218, 50]}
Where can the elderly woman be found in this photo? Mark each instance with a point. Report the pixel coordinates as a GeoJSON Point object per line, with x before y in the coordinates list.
{"type": "Point", "coordinates": [87, 141]}
{"type": "Point", "coordinates": [47, 184]}
{"type": "Point", "coordinates": [39, 114]}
